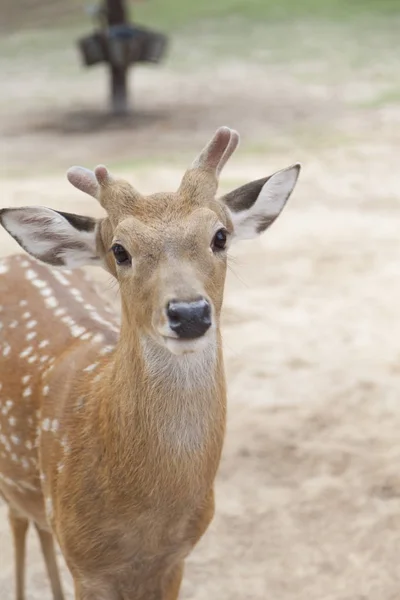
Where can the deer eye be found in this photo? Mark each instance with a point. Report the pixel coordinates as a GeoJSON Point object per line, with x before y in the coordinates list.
{"type": "Point", "coordinates": [122, 257]}
{"type": "Point", "coordinates": [219, 241]}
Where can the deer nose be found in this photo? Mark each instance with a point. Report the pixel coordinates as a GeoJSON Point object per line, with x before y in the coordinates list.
{"type": "Point", "coordinates": [189, 320]}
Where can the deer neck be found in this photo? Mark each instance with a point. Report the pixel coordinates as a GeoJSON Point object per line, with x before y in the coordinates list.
{"type": "Point", "coordinates": [177, 402]}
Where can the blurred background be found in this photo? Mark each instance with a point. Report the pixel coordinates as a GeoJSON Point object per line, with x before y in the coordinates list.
{"type": "Point", "coordinates": [308, 494]}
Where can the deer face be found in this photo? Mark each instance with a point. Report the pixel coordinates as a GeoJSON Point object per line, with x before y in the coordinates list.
{"type": "Point", "coordinates": [167, 251]}
{"type": "Point", "coordinates": [169, 256]}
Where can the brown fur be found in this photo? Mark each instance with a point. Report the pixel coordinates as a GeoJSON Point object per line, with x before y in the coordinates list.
{"type": "Point", "coordinates": [112, 443]}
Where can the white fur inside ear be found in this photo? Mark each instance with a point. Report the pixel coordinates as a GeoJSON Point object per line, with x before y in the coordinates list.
{"type": "Point", "coordinates": [50, 237]}
{"type": "Point", "coordinates": [268, 205]}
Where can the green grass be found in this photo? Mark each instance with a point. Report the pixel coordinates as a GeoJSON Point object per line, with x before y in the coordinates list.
{"type": "Point", "coordinates": [256, 29]}
{"type": "Point", "coordinates": [175, 14]}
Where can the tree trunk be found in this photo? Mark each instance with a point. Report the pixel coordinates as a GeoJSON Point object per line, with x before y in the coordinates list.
{"type": "Point", "coordinates": [117, 15]}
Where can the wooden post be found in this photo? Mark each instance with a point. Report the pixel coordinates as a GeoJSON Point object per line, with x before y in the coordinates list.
{"type": "Point", "coordinates": [117, 15]}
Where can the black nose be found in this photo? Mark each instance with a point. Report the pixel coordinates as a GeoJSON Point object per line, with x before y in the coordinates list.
{"type": "Point", "coordinates": [189, 320]}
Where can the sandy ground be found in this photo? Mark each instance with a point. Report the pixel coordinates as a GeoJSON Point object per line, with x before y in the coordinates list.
{"type": "Point", "coordinates": [308, 493]}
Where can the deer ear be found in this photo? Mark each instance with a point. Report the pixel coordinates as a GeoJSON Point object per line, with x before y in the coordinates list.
{"type": "Point", "coordinates": [57, 238]}
{"type": "Point", "coordinates": [256, 205]}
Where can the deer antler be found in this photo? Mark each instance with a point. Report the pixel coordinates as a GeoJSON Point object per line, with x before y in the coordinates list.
{"type": "Point", "coordinates": [88, 181]}
{"type": "Point", "coordinates": [97, 184]}
{"type": "Point", "coordinates": [216, 153]}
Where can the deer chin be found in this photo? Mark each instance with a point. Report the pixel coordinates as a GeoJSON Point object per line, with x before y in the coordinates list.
{"type": "Point", "coordinates": [180, 347]}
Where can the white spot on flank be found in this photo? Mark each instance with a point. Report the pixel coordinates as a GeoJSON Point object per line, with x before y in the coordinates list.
{"type": "Point", "coordinates": [39, 283]}
{"type": "Point", "coordinates": [13, 324]}
{"type": "Point", "coordinates": [46, 424]}
{"type": "Point", "coordinates": [23, 303]}
{"type": "Point", "coordinates": [77, 295]}
{"type": "Point", "coordinates": [48, 369]}
{"type": "Point", "coordinates": [28, 445]}
{"type": "Point", "coordinates": [16, 440]}
{"type": "Point", "coordinates": [30, 336]}
{"type": "Point", "coordinates": [27, 392]}
{"type": "Point", "coordinates": [31, 324]}
{"type": "Point", "coordinates": [60, 277]}
{"type": "Point", "coordinates": [106, 350]}
{"type": "Point", "coordinates": [68, 320]}
{"type": "Point", "coordinates": [6, 349]}
{"type": "Point", "coordinates": [55, 425]}
{"type": "Point", "coordinates": [44, 358]}
{"type": "Point", "coordinates": [26, 315]}
{"type": "Point", "coordinates": [60, 312]}
{"type": "Point", "coordinates": [3, 268]}
{"type": "Point", "coordinates": [25, 463]}
{"type": "Point", "coordinates": [46, 292]}
{"type": "Point", "coordinates": [5, 443]}
{"type": "Point", "coordinates": [31, 274]}
{"type": "Point", "coordinates": [96, 317]}
{"type": "Point", "coordinates": [12, 421]}
{"type": "Point", "coordinates": [44, 343]}
{"type": "Point", "coordinates": [32, 359]}
{"type": "Point", "coordinates": [51, 302]}
{"type": "Point", "coordinates": [98, 338]}
{"type": "Point", "coordinates": [77, 331]}
{"type": "Point", "coordinates": [26, 352]}
{"type": "Point", "coordinates": [91, 367]}
{"type": "Point", "coordinates": [25, 379]}
{"type": "Point", "coordinates": [45, 390]}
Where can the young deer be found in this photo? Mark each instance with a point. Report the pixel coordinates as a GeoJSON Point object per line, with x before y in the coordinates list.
{"type": "Point", "coordinates": [111, 438]}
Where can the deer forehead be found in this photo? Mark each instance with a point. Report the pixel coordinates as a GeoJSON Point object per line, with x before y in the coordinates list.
{"type": "Point", "coordinates": [121, 200]}
{"type": "Point", "coordinates": [174, 227]}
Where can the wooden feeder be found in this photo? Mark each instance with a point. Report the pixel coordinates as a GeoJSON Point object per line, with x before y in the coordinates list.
{"type": "Point", "coordinates": [93, 49]}
{"type": "Point", "coordinates": [124, 45]}
{"type": "Point", "coordinates": [120, 44]}
{"type": "Point", "coordinates": [153, 47]}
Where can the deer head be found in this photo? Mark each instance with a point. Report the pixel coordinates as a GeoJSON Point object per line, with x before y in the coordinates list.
{"type": "Point", "coordinates": [168, 251]}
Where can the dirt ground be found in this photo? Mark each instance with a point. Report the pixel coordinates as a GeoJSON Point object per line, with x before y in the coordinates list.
{"type": "Point", "coordinates": [308, 493]}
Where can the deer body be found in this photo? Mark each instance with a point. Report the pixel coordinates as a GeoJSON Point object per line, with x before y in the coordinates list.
{"type": "Point", "coordinates": [63, 453]}
{"type": "Point", "coordinates": [111, 436]}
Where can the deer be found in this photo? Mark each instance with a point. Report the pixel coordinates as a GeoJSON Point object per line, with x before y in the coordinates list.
{"type": "Point", "coordinates": [112, 425]}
